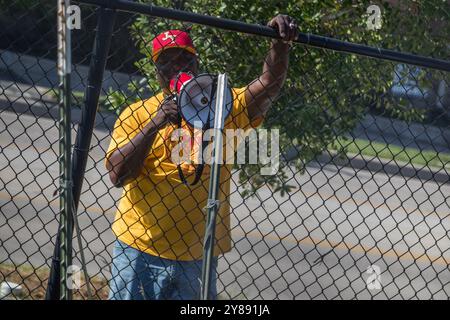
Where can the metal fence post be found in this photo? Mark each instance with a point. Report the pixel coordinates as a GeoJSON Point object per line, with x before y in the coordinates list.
{"type": "Point", "coordinates": [65, 194]}
{"type": "Point", "coordinates": [106, 18]}
{"type": "Point", "coordinates": [213, 205]}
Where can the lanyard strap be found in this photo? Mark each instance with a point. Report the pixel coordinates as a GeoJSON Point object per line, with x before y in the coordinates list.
{"type": "Point", "coordinates": [201, 166]}
{"type": "Point", "coordinates": [206, 126]}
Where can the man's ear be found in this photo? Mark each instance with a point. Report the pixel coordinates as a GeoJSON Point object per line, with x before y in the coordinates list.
{"type": "Point", "coordinates": [162, 83]}
{"type": "Point", "coordinates": [197, 63]}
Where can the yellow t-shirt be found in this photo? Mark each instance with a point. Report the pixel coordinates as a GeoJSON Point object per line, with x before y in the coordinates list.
{"type": "Point", "coordinates": [157, 213]}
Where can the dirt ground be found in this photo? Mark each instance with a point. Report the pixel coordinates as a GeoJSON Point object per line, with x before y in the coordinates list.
{"type": "Point", "coordinates": [34, 283]}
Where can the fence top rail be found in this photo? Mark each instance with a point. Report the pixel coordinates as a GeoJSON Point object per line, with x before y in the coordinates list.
{"type": "Point", "coordinates": [255, 29]}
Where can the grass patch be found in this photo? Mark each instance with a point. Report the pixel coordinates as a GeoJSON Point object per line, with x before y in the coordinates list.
{"type": "Point", "coordinates": [34, 282]}
{"type": "Point", "coordinates": [392, 152]}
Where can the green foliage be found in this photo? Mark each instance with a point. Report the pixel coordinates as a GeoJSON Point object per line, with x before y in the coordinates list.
{"type": "Point", "coordinates": [326, 93]}
{"type": "Point", "coordinates": [117, 100]}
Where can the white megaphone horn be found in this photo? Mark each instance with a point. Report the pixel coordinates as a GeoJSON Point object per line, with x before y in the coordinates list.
{"type": "Point", "coordinates": [196, 98]}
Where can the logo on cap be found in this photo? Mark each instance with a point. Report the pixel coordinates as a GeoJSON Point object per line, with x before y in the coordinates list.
{"type": "Point", "coordinates": [168, 36]}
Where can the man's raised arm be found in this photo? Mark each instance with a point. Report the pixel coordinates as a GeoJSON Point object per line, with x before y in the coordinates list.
{"type": "Point", "coordinates": [261, 91]}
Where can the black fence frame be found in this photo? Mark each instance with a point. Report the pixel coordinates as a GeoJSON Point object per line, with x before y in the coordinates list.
{"type": "Point", "coordinates": [106, 17]}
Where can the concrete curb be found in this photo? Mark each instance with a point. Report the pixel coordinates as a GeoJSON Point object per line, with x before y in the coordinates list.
{"type": "Point", "coordinates": [389, 167]}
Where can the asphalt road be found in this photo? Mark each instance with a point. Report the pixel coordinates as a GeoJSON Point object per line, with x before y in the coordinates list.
{"type": "Point", "coordinates": [316, 242]}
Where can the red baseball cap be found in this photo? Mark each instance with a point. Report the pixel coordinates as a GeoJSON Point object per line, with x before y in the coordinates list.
{"type": "Point", "coordinates": [172, 39]}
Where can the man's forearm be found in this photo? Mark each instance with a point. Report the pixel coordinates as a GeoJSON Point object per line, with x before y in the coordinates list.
{"type": "Point", "coordinates": [125, 163]}
{"type": "Point", "coordinates": [275, 67]}
{"type": "Point", "coordinates": [263, 90]}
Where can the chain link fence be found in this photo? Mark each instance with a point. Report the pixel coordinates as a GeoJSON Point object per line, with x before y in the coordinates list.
{"type": "Point", "coordinates": [359, 207]}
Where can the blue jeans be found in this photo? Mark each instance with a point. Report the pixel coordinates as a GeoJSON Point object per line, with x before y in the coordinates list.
{"type": "Point", "coordinates": [136, 275]}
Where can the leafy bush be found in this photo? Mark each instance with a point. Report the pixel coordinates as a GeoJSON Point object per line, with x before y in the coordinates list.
{"type": "Point", "coordinates": [326, 92]}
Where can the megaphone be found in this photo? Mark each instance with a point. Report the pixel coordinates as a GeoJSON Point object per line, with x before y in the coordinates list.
{"type": "Point", "coordinates": [196, 99]}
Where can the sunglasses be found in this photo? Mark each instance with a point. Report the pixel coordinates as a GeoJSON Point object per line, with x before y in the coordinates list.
{"type": "Point", "coordinates": [166, 62]}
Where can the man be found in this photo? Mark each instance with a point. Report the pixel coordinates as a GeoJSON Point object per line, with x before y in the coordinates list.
{"type": "Point", "coordinates": [160, 224]}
